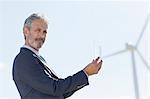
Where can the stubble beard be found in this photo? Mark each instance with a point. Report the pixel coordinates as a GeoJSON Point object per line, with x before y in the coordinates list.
{"type": "Point", "coordinates": [37, 43]}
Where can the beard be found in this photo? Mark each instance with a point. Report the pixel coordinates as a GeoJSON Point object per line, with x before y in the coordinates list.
{"type": "Point", "coordinates": [37, 43]}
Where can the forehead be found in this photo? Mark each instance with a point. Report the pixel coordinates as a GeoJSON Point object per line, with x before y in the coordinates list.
{"type": "Point", "coordinates": [39, 23]}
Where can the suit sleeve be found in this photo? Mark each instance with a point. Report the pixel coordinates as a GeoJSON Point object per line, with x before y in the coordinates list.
{"type": "Point", "coordinates": [66, 95]}
{"type": "Point", "coordinates": [31, 73]}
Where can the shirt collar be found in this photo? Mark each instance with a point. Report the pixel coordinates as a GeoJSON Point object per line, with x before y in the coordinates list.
{"type": "Point", "coordinates": [32, 49]}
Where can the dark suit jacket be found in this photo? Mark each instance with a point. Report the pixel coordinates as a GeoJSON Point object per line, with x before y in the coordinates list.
{"type": "Point", "coordinates": [32, 81]}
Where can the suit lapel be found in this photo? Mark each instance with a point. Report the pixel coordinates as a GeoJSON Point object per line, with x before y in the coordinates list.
{"type": "Point", "coordinates": [47, 70]}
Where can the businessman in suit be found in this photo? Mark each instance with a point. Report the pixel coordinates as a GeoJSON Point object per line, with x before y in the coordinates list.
{"type": "Point", "coordinates": [33, 78]}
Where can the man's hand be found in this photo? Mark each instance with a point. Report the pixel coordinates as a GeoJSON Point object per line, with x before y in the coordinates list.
{"type": "Point", "coordinates": [93, 67]}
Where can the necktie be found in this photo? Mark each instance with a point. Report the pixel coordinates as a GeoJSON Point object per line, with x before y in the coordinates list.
{"type": "Point", "coordinates": [50, 71]}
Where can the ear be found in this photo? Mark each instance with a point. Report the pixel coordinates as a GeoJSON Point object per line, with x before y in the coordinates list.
{"type": "Point", "coordinates": [26, 31]}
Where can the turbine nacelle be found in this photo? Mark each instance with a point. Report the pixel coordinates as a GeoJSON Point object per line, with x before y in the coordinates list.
{"type": "Point", "coordinates": [130, 47]}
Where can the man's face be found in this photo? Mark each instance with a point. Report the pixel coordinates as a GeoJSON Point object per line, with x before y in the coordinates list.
{"type": "Point", "coordinates": [35, 36]}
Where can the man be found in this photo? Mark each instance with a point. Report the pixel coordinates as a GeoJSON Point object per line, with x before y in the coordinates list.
{"type": "Point", "coordinates": [34, 80]}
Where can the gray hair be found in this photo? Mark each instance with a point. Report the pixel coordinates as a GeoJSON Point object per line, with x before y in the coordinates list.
{"type": "Point", "coordinates": [33, 17]}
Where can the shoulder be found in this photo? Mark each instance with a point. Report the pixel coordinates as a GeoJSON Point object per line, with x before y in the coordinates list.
{"type": "Point", "coordinates": [23, 54]}
{"type": "Point", "coordinates": [25, 57]}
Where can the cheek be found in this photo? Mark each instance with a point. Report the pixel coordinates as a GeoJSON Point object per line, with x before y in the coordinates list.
{"type": "Point", "coordinates": [35, 35]}
{"type": "Point", "coordinates": [30, 39]}
{"type": "Point", "coordinates": [32, 36]}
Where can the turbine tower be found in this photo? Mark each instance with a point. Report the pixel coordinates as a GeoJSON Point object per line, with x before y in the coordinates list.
{"type": "Point", "coordinates": [132, 49]}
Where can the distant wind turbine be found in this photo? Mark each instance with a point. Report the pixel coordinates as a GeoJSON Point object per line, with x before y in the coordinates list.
{"type": "Point", "coordinates": [132, 49]}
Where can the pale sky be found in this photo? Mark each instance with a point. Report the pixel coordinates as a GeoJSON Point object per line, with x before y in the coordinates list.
{"type": "Point", "coordinates": [76, 30]}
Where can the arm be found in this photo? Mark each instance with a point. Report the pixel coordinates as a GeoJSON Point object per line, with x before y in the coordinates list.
{"type": "Point", "coordinates": [31, 73]}
{"type": "Point", "coordinates": [66, 95]}
{"type": "Point", "coordinates": [90, 69]}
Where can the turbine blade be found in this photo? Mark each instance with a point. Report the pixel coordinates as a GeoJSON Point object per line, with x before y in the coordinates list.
{"type": "Point", "coordinates": [143, 30]}
{"type": "Point", "coordinates": [135, 76]}
{"type": "Point", "coordinates": [143, 60]}
{"type": "Point", "coordinates": [116, 53]}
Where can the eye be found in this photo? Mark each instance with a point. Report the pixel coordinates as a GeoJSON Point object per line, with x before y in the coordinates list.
{"type": "Point", "coordinates": [45, 32]}
{"type": "Point", "coordinates": [38, 30]}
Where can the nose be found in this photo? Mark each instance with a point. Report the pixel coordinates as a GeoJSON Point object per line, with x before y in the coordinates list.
{"type": "Point", "coordinates": [43, 35]}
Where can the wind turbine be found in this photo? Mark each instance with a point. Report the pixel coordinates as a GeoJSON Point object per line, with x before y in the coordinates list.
{"type": "Point", "coordinates": [132, 49]}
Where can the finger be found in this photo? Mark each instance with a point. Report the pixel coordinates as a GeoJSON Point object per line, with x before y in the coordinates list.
{"type": "Point", "coordinates": [100, 63]}
{"type": "Point", "coordinates": [95, 61]}
{"type": "Point", "coordinates": [97, 58]}
{"type": "Point", "coordinates": [99, 67]}
{"type": "Point", "coordinates": [100, 60]}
